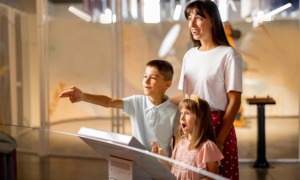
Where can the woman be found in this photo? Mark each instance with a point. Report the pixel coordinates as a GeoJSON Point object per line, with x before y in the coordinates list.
{"type": "Point", "coordinates": [212, 69]}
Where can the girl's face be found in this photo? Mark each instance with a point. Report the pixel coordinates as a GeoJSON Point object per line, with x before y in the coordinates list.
{"type": "Point", "coordinates": [199, 26]}
{"type": "Point", "coordinates": [187, 121]}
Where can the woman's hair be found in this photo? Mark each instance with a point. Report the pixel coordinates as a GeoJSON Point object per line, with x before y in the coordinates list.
{"type": "Point", "coordinates": [208, 9]}
{"type": "Point", "coordinates": [203, 129]}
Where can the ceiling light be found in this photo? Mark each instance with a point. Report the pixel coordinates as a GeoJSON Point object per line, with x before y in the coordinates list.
{"type": "Point", "coordinates": [151, 11]}
{"type": "Point", "coordinates": [177, 12]}
{"type": "Point", "coordinates": [79, 13]}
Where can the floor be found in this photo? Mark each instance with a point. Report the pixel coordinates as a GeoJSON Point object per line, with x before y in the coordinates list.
{"type": "Point", "coordinates": [66, 157]}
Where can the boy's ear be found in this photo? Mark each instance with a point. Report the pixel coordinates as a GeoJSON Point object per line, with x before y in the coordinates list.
{"type": "Point", "coordinates": [168, 84]}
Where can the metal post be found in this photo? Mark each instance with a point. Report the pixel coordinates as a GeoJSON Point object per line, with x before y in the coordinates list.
{"type": "Point", "coordinates": [261, 161]}
{"type": "Point", "coordinates": [41, 8]}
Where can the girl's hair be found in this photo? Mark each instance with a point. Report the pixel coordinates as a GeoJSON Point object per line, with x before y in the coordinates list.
{"type": "Point", "coordinates": [203, 129]}
{"type": "Point", "coordinates": [208, 9]}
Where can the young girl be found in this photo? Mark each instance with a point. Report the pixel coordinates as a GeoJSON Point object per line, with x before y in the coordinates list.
{"type": "Point", "coordinates": [195, 140]}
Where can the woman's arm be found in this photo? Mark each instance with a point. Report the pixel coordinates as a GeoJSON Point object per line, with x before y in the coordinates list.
{"type": "Point", "coordinates": [176, 99]}
{"type": "Point", "coordinates": [234, 103]}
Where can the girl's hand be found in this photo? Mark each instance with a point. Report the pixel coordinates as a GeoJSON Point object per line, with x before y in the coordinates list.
{"type": "Point", "coordinates": [156, 149]}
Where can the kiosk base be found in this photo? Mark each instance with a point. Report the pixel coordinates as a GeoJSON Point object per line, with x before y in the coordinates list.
{"type": "Point", "coordinates": [119, 169]}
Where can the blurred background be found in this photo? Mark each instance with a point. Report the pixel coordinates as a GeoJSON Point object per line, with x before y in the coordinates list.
{"type": "Point", "coordinates": [102, 46]}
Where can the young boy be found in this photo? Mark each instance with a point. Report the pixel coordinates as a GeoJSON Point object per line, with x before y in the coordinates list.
{"type": "Point", "coordinates": [153, 116]}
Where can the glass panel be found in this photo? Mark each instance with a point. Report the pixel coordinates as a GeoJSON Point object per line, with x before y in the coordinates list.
{"type": "Point", "coordinates": [110, 59]}
{"type": "Point", "coordinates": [80, 54]}
{"type": "Point", "coordinates": [5, 101]}
{"type": "Point", "coordinates": [270, 70]}
{"type": "Point", "coordinates": [77, 156]}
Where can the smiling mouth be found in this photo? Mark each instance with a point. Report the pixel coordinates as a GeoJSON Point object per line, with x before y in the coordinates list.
{"type": "Point", "coordinates": [195, 31]}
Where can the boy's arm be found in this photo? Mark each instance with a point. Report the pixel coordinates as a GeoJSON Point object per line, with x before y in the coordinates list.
{"type": "Point", "coordinates": [76, 95]}
{"type": "Point", "coordinates": [103, 100]}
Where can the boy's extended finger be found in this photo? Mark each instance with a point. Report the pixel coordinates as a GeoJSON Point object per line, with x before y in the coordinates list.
{"type": "Point", "coordinates": [66, 93]}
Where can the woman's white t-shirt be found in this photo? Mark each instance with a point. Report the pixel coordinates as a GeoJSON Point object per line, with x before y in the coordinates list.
{"type": "Point", "coordinates": [211, 74]}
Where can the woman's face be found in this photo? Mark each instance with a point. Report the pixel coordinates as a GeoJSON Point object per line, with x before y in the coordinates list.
{"type": "Point", "coordinates": [199, 26]}
{"type": "Point", "coordinates": [187, 121]}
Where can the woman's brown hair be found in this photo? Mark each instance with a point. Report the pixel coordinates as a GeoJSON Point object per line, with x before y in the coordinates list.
{"type": "Point", "coordinates": [208, 9]}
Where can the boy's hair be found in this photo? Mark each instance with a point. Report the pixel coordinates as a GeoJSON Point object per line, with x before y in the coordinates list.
{"type": "Point", "coordinates": [203, 129]}
{"type": "Point", "coordinates": [164, 67]}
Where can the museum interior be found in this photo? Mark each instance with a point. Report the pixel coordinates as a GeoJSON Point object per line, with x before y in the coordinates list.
{"type": "Point", "coordinates": [102, 47]}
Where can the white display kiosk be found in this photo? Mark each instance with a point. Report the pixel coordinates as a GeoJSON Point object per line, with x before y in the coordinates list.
{"type": "Point", "coordinates": [127, 157]}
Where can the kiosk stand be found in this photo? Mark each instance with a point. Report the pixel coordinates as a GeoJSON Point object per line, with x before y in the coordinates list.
{"type": "Point", "coordinates": [261, 161]}
{"type": "Point", "coordinates": [127, 158]}
{"type": "Point", "coordinates": [119, 168]}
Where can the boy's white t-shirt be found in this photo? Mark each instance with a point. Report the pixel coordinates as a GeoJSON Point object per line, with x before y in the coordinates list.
{"type": "Point", "coordinates": [211, 74]}
{"type": "Point", "coordinates": [152, 123]}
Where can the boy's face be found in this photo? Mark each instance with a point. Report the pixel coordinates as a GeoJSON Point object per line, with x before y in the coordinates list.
{"type": "Point", "coordinates": [154, 83]}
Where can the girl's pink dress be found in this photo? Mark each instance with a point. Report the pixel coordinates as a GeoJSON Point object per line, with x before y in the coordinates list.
{"type": "Point", "coordinates": [207, 152]}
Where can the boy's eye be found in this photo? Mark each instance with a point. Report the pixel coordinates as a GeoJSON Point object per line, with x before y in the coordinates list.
{"type": "Point", "coordinates": [199, 17]}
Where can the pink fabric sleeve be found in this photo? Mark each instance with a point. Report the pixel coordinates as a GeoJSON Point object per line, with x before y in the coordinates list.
{"type": "Point", "coordinates": [209, 152]}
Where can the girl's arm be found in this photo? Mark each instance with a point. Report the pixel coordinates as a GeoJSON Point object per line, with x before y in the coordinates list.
{"type": "Point", "coordinates": [212, 167]}
{"type": "Point", "coordinates": [157, 150]}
